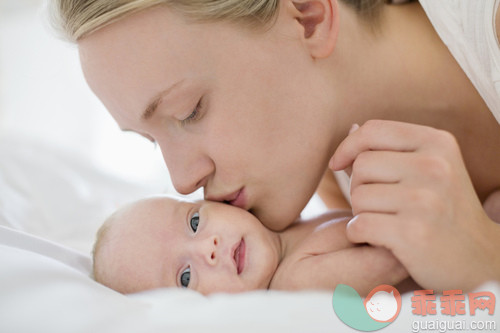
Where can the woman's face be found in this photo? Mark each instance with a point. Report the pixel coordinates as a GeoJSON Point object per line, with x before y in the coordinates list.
{"type": "Point", "coordinates": [243, 114]}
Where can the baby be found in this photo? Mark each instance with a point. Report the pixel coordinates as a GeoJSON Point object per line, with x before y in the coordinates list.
{"type": "Point", "coordinates": [214, 247]}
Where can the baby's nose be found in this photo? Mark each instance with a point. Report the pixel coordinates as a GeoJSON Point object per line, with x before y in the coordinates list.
{"type": "Point", "coordinates": [210, 250]}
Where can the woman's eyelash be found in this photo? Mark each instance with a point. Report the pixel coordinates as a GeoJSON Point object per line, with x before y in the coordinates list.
{"type": "Point", "coordinates": [194, 115]}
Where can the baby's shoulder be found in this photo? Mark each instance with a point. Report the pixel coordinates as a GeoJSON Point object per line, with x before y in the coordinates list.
{"type": "Point", "coordinates": [327, 236]}
{"type": "Point", "coordinates": [285, 277]}
{"type": "Point", "coordinates": [323, 235]}
{"type": "Point", "coordinates": [288, 274]}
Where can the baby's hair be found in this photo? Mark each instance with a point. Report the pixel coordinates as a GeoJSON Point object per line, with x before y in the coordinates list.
{"type": "Point", "coordinates": [107, 236]}
{"type": "Point", "coordinates": [96, 250]}
{"type": "Point", "coordinates": [78, 18]}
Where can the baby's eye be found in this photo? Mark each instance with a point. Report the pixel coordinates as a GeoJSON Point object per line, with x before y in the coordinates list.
{"type": "Point", "coordinates": [185, 277]}
{"type": "Point", "coordinates": [193, 222]}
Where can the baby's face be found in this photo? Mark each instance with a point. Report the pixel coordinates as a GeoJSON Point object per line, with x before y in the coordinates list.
{"type": "Point", "coordinates": [206, 246]}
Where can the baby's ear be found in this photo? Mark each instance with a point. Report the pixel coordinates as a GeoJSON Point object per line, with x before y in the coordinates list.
{"type": "Point", "coordinates": [320, 22]}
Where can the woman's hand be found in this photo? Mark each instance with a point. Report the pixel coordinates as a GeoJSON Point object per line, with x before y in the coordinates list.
{"type": "Point", "coordinates": [410, 192]}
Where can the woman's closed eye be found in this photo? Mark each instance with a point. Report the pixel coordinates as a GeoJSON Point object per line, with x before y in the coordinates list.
{"type": "Point", "coordinates": [194, 115]}
{"type": "Point", "coordinates": [185, 277]}
{"type": "Point", "coordinates": [194, 221]}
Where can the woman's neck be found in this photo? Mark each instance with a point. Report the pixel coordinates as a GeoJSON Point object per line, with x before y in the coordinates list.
{"type": "Point", "coordinates": [399, 70]}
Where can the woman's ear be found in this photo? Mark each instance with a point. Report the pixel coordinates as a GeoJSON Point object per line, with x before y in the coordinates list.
{"type": "Point", "coordinates": [320, 22]}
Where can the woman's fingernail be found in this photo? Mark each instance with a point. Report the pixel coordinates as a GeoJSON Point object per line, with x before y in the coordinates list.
{"type": "Point", "coordinates": [331, 164]}
{"type": "Point", "coordinates": [351, 221]}
{"type": "Point", "coordinates": [354, 127]}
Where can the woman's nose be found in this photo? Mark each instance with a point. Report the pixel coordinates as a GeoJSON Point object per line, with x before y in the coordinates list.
{"type": "Point", "coordinates": [189, 170]}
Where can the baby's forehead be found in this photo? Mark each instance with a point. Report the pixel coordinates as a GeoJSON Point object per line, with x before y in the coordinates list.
{"type": "Point", "coordinates": [150, 205]}
{"type": "Point", "coordinates": [166, 200]}
{"type": "Point", "coordinates": [138, 224]}
{"type": "Point", "coordinates": [152, 210]}
{"type": "Point", "coordinates": [147, 215]}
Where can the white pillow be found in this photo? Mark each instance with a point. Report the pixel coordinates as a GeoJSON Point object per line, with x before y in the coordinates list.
{"type": "Point", "coordinates": [45, 287]}
{"type": "Point", "coordinates": [57, 194]}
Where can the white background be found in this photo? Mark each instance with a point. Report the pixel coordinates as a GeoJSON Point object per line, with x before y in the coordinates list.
{"type": "Point", "coordinates": [44, 97]}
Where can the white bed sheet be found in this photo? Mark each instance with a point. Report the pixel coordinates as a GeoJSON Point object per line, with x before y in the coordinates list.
{"type": "Point", "coordinates": [51, 203]}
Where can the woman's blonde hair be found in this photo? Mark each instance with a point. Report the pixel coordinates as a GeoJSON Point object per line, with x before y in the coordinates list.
{"type": "Point", "coordinates": [78, 18]}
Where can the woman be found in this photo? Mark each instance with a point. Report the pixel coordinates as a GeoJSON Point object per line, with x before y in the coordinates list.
{"type": "Point", "coordinates": [250, 99]}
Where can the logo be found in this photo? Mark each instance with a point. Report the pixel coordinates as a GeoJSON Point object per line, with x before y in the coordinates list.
{"type": "Point", "coordinates": [380, 308]}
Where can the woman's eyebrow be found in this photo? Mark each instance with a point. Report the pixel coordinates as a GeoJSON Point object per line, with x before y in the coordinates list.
{"type": "Point", "coordinates": [153, 105]}
{"type": "Point", "coordinates": [150, 110]}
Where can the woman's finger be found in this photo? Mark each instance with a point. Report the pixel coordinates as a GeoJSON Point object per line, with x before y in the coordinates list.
{"type": "Point", "coordinates": [380, 135]}
{"type": "Point", "coordinates": [374, 228]}
{"type": "Point", "coordinates": [377, 198]}
{"type": "Point", "coordinates": [379, 167]}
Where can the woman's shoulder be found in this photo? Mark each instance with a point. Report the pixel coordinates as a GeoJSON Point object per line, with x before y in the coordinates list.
{"type": "Point", "coordinates": [470, 29]}
{"type": "Point", "coordinates": [497, 23]}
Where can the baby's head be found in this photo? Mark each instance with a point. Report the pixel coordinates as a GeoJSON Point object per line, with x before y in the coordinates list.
{"type": "Point", "coordinates": [165, 242]}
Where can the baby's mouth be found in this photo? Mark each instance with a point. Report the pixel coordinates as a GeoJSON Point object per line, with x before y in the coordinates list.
{"type": "Point", "coordinates": [239, 256]}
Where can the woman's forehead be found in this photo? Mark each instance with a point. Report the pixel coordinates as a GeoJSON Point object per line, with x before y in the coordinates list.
{"type": "Point", "coordinates": [129, 61]}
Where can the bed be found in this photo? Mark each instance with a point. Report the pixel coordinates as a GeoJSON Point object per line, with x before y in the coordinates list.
{"type": "Point", "coordinates": [52, 202]}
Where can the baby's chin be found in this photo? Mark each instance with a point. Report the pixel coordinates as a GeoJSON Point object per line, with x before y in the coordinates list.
{"type": "Point", "coordinates": [224, 290]}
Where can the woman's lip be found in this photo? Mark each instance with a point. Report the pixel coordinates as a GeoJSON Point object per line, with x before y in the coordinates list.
{"type": "Point", "coordinates": [239, 256]}
{"type": "Point", "coordinates": [239, 200]}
